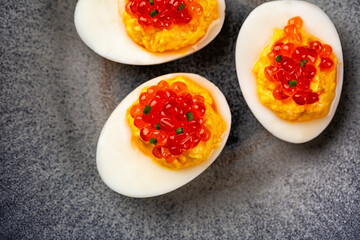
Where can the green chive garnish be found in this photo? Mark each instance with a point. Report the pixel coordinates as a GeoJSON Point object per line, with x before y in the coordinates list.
{"type": "Point", "coordinates": [181, 7]}
{"type": "Point", "coordinates": [147, 110]}
{"type": "Point", "coordinates": [157, 126]}
{"type": "Point", "coordinates": [151, 2]}
{"type": "Point", "coordinates": [153, 13]}
{"type": "Point", "coordinates": [153, 141]}
{"type": "Point", "coordinates": [179, 130]}
{"type": "Point", "coordinates": [292, 83]}
{"type": "Point", "coordinates": [189, 116]}
{"type": "Point", "coordinates": [302, 62]}
{"type": "Point", "coordinates": [278, 58]}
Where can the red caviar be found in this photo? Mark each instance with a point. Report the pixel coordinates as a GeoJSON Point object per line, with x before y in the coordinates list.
{"type": "Point", "coordinates": [163, 13]}
{"type": "Point", "coordinates": [293, 65]}
{"type": "Point", "coordinates": [171, 119]}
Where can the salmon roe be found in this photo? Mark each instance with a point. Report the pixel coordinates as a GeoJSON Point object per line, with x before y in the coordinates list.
{"type": "Point", "coordinates": [163, 13]}
{"type": "Point", "coordinates": [293, 65]}
{"type": "Point", "coordinates": [171, 119]}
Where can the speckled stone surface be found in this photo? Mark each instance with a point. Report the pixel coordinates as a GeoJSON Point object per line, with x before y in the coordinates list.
{"type": "Point", "coordinates": [56, 94]}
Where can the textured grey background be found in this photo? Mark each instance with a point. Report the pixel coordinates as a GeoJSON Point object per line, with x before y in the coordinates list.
{"type": "Point", "coordinates": [56, 94]}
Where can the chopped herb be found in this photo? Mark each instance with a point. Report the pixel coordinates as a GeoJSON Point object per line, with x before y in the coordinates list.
{"type": "Point", "coordinates": [153, 141]}
{"type": "Point", "coordinates": [278, 58]}
{"type": "Point", "coordinates": [153, 13]}
{"type": "Point", "coordinates": [189, 116]}
{"type": "Point", "coordinates": [302, 62]}
{"type": "Point", "coordinates": [179, 130]}
{"type": "Point", "coordinates": [181, 7]}
{"type": "Point", "coordinates": [292, 83]}
{"type": "Point", "coordinates": [157, 126]}
{"type": "Point", "coordinates": [147, 110]}
{"type": "Point", "coordinates": [151, 2]}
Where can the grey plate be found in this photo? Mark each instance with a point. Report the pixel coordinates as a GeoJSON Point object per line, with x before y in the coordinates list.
{"type": "Point", "coordinates": [56, 94]}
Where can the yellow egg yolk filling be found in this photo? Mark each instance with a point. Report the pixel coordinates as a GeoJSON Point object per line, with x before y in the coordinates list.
{"type": "Point", "coordinates": [323, 84]}
{"type": "Point", "coordinates": [175, 36]}
{"type": "Point", "coordinates": [194, 156]}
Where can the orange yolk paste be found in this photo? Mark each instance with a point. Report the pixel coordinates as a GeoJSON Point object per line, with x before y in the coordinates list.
{"type": "Point", "coordinates": [166, 25]}
{"type": "Point", "coordinates": [296, 74]}
{"type": "Point", "coordinates": [176, 123]}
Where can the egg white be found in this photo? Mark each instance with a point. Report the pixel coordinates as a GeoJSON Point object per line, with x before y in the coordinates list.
{"type": "Point", "coordinates": [254, 36]}
{"type": "Point", "coordinates": [126, 170]}
{"type": "Point", "coordinates": [101, 27]}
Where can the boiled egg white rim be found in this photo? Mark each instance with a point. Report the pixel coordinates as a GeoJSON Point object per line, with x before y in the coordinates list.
{"type": "Point", "coordinates": [100, 26]}
{"type": "Point", "coordinates": [250, 44]}
{"type": "Point", "coordinates": [126, 170]}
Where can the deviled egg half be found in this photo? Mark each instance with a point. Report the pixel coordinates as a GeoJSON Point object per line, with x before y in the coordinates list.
{"type": "Point", "coordinates": [143, 32]}
{"type": "Point", "coordinates": [290, 68]}
{"type": "Point", "coordinates": [162, 135]}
